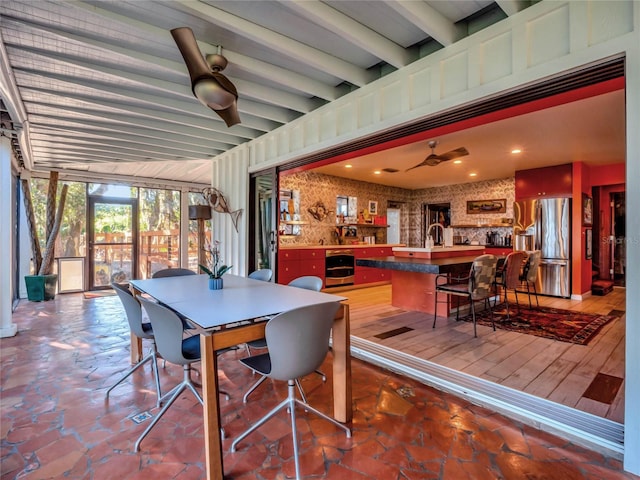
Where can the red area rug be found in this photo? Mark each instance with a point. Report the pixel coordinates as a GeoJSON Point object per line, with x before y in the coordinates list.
{"type": "Point", "coordinates": [563, 325]}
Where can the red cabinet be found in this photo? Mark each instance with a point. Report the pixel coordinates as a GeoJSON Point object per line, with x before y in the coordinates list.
{"type": "Point", "coordinates": [544, 182]}
{"type": "Point", "coordinates": [294, 263]}
{"type": "Point", "coordinates": [368, 274]}
{"type": "Point", "coordinates": [312, 262]}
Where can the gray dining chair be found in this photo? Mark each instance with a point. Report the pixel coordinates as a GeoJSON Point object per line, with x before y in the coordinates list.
{"type": "Point", "coordinates": [308, 282]}
{"type": "Point", "coordinates": [141, 329]}
{"type": "Point", "coordinates": [176, 272]}
{"type": "Point", "coordinates": [175, 349]}
{"type": "Point", "coordinates": [264, 274]}
{"type": "Point", "coordinates": [173, 272]}
{"type": "Point", "coordinates": [298, 342]}
{"type": "Point", "coordinates": [477, 285]}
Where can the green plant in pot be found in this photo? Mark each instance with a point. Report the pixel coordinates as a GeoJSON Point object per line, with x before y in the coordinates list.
{"type": "Point", "coordinates": [42, 285]}
{"type": "Point", "coordinates": [216, 269]}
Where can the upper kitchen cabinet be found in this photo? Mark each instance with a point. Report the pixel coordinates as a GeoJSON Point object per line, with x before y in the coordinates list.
{"type": "Point", "coordinates": [544, 182]}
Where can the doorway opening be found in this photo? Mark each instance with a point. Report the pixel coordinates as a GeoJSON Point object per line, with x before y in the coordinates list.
{"type": "Point", "coordinates": [112, 246]}
{"type": "Point", "coordinates": [435, 213]}
{"type": "Point", "coordinates": [618, 227]}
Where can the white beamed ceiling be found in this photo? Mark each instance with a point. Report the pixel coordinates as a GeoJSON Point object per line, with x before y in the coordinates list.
{"type": "Point", "coordinates": [102, 90]}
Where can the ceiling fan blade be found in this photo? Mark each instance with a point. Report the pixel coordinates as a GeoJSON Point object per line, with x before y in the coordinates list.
{"type": "Point", "coordinates": [431, 160]}
{"type": "Point", "coordinates": [230, 115]}
{"type": "Point", "coordinates": [196, 64]}
{"type": "Point", "coordinates": [212, 88]}
{"type": "Point", "coordinates": [458, 152]}
{"type": "Point", "coordinates": [416, 166]}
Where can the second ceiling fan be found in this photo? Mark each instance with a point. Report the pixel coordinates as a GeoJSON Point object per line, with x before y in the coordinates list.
{"type": "Point", "coordinates": [432, 160]}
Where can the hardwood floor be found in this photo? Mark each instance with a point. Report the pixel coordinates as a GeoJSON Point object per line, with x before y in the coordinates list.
{"type": "Point", "coordinates": [558, 371]}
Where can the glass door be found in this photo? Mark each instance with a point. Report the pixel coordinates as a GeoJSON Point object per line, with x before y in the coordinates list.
{"type": "Point", "coordinates": [112, 247]}
{"type": "Point", "coordinates": [262, 220]}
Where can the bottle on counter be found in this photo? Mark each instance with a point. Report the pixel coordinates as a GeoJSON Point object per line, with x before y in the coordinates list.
{"type": "Point", "coordinates": [428, 243]}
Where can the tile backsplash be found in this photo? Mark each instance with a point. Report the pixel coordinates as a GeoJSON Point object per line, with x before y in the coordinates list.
{"type": "Point", "coordinates": [316, 187]}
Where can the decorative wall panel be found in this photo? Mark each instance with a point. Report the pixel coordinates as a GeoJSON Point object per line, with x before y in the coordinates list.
{"type": "Point", "coordinates": [496, 58]}
{"type": "Point", "coordinates": [609, 20]}
{"type": "Point", "coordinates": [548, 36]}
{"type": "Point", "coordinates": [454, 75]}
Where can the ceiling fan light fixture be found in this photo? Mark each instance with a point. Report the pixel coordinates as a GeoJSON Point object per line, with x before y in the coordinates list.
{"type": "Point", "coordinates": [212, 95]}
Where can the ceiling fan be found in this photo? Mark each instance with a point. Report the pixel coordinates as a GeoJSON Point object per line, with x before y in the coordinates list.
{"type": "Point", "coordinates": [432, 160]}
{"type": "Point", "coordinates": [209, 86]}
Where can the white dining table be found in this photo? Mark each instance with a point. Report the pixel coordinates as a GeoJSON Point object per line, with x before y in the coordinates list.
{"type": "Point", "coordinates": [231, 316]}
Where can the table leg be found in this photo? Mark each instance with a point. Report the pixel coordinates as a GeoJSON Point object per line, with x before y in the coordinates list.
{"type": "Point", "coordinates": [136, 342]}
{"type": "Point", "coordinates": [342, 404]}
{"type": "Point", "coordinates": [212, 442]}
{"type": "Point", "coordinates": [136, 349]}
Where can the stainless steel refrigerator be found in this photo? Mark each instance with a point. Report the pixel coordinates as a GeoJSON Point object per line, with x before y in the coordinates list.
{"type": "Point", "coordinates": [545, 224]}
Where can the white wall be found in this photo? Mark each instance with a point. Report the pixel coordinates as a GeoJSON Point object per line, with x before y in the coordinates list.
{"type": "Point", "coordinates": [7, 328]}
{"type": "Point", "coordinates": [543, 40]}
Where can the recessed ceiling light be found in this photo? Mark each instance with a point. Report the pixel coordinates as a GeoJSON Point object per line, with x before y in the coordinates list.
{"type": "Point", "coordinates": [473, 174]}
{"type": "Point", "coordinates": [348, 165]}
{"type": "Point", "coordinates": [515, 151]}
{"type": "Point", "coordinates": [376, 172]}
{"type": "Point", "coordinates": [457, 161]}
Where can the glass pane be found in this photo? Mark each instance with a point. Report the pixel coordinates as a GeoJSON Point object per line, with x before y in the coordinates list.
{"type": "Point", "coordinates": [159, 230]}
{"type": "Point", "coordinates": [113, 223]}
{"type": "Point", "coordinates": [72, 236]}
{"type": "Point", "coordinates": [112, 263]}
{"type": "Point", "coordinates": [71, 241]}
{"type": "Point", "coordinates": [114, 191]}
{"type": "Point", "coordinates": [194, 248]}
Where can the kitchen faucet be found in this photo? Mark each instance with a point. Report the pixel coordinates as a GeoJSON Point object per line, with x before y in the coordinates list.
{"type": "Point", "coordinates": [435, 225]}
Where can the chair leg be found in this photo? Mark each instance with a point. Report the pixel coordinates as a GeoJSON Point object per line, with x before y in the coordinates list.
{"type": "Point", "coordinates": [156, 374]}
{"type": "Point", "coordinates": [151, 356]}
{"type": "Point", "coordinates": [184, 385]}
{"type": "Point", "coordinates": [290, 403]}
{"type": "Point", "coordinates": [473, 315]}
{"type": "Point", "coordinates": [493, 324]}
{"type": "Point", "coordinates": [309, 408]}
{"type": "Point", "coordinates": [506, 301]}
{"type": "Point", "coordinates": [302, 395]}
{"type": "Point", "coordinates": [283, 404]}
{"type": "Point", "coordinates": [253, 387]}
{"type": "Point", "coordinates": [166, 406]}
{"type": "Point", "coordinates": [535, 292]}
{"type": "Point", "coordinates": [435, 310]}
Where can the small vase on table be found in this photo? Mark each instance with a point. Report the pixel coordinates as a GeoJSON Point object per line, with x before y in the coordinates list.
{"type": "Point", "coordinates": [215, 283]}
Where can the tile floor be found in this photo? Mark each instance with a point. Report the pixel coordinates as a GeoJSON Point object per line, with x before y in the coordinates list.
{"type": "Point", "coordinates": [55, 422]}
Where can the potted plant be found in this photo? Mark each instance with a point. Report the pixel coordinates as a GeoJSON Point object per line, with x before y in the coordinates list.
{"type": "Point", "coordinates": [216, 269]}
{"type": "Point", "coordinates": [42, 285]}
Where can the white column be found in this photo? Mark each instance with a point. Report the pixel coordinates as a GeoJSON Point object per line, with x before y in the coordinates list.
{"type": "Point", "coordinates": [7, 328]}
{"type": "Point", "coordinates": [632, 273]}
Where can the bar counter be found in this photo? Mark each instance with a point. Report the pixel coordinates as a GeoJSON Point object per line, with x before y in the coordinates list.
{"type": "Point", "coordinates": [413, 279]}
